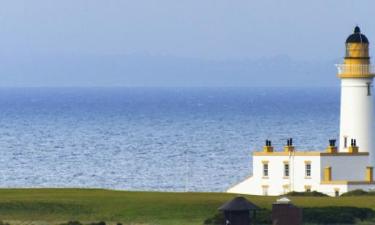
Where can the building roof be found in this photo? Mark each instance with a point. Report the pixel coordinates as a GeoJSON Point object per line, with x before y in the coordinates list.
{"type": "Point", "coordinates": [283, 200]}
{"type": "Point", "coordinates": [238, 204]}
{"type": "Point", "coordinates": [357, 37]}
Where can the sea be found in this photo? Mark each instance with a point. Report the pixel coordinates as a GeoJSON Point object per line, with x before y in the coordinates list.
{"type": "Point", "coordinates": [154, 139]}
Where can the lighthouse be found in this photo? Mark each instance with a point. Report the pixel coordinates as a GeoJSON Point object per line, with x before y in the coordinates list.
{"type": "Point", "coordinates": [337, 169]}
{"type": "Point", "coordinates": [356, 111]}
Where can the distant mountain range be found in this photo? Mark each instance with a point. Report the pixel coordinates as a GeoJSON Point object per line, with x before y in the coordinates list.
{"type": "Point", "coordinates": [144, 70]}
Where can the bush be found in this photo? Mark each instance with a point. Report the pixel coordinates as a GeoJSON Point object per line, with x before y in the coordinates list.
{"type": "Point", "coordinates": [263, 216]}
{"type": "Point", "coordinates": [79, 223]}
{"type": "Point", "coordinates": [320, 215]}
{"type": "Point", "coordinates": [359, 192]}
{"type": "Point", "coordinates": [97, 223]}
{"type": "Point", "coordinates": [307, 194]}
{"type": "Point", "coordinates": [72, 223]}
{"type": "Point", "coordinates": [2, 223]}
{"type": "Point", "coordinates": [217, 219]}
{"type": "Point", "coordinates": [336, 215]}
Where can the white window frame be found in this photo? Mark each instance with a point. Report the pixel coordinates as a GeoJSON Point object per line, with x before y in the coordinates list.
{"type": "Point", "coordinates": [265, 170]}
{"type": "Point", "coordinates": [308, 169]}
{"type": "Point", "coordinates": [286, 170]}
{"type": "Point", "coordinates": [265, 190]}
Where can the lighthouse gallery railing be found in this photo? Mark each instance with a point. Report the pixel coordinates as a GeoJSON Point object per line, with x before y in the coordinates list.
{"type": "Point", "coordinates": [355, 70]}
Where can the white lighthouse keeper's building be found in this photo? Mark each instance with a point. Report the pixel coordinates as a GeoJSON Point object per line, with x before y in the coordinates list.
{"type": "Point", "coordinates": [336, 170]}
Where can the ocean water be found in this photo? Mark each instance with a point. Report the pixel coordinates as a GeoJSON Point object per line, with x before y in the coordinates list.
{"type": "Point", "coordinates": [161, 139]}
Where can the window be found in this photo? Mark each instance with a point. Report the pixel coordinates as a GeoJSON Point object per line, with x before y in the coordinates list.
{"type": "Point", "coordinates": [286, 189]}
{"type": "Point", "coordinates": [265, 169]}
{"type": "Point", "coordinates": [265, 190]}
{"type": "Point", "coordinates": [345, 142]}
{"type": "Point", "coordinates": [286, 169]}
{"type": "Point", "coordinates": [368, 89]}
{"type": "Point", "coordinates": [308, 169]}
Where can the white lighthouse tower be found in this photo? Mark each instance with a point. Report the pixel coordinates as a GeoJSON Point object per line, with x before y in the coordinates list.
{"type": "Point", "coordinates": [356, 116]}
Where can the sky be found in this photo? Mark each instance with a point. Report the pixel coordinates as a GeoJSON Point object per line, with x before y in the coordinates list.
{"type": "Point", "coordinates": [157, 42]}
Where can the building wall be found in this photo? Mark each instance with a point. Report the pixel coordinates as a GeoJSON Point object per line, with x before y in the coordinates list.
{"type": "Point", "coordinates": [276, 182]}
{"type": "Point", "coordinates": [330, 189]}
{"type": "Point", "coordinates": [344, 168]}
{"type": "Point", "coordinates": [365, 187]}
{"type": "Point", "coordinates": [352, 168]}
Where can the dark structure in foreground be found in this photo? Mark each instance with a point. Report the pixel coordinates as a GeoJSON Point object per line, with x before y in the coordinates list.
{"type": "Point", "coordinates": [285, 213]}
{"type": "Point", "coordinates": [239, 211]}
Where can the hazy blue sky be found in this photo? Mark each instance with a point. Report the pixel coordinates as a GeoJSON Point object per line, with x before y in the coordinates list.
{"type": "Point", "coordinates": [52, 43]}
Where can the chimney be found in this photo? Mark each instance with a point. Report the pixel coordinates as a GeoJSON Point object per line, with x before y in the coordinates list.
{"type": "Point", "coordinates": [353, 146]}
{"type": "Point", "coordinates": [268, 147]}
{"type": "Point", "coordinates": [332, 146]}
{"type": "Point", "coordinates": [289, 145]}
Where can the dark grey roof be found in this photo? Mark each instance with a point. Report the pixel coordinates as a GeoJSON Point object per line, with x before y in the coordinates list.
{"type": "Point", "coordinates": [357, 37]}
{"type": "Point", "coordinates": [238, 204]}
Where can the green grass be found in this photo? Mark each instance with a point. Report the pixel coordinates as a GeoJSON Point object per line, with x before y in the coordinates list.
{"type": "Point", "coordinates": [59, 205]}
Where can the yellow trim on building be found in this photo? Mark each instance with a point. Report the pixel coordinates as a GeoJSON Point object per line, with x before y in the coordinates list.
{"type": "Point", "coordinates": [356, 62]}
{"type": "Point", "coordinates": [310, 153]}
{"type": "Point", "coordinates": [288, 148]}
{"type": "Point", "coordinates": [331, 149]}
{"type": "Point", "coordinates": [353, 149]}
{"type": "Point", "coordinates": [356, 76]}
{"type": "Point", "coordinates": [267, 149]}
{"type": "Point", "coordinates": [370, 174]}
{"type": "Point", "coordinates": [345, 154]}
{"type": "Point", "coordinates": [346, 182]}
{"type": "Point", "coordinates": [327, 174]}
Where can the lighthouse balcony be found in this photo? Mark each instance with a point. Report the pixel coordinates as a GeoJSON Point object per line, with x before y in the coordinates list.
{"type": "Point", "coordinates": [355, 71]}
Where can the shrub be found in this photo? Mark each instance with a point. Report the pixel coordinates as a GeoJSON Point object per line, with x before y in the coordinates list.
{"type": "Point", "coordinates": [319, 215]}
{"type": "Point", "coordinates": [79, 223]}
{"type": "Point", "coordinates": [359, 192]}
{"type": "Point", "coordinates": [336, 215]}
{"type": "Point", "coordinates": [72, 223]}
{"type": "Point", "coordinates": [263, 216]}
{"type": "Point", "coordinates": [307, 194]}
{"type": "Point", "coordinates": [97, 223]}
{"type": "Point", "coordinates": [217, 219]}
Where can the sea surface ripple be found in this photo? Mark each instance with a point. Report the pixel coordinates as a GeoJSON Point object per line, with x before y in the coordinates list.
{"type": "Point", "coordinates": [160, 139]}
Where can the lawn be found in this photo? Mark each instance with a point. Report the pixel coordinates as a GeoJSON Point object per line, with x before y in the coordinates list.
{"type": "Point", "coordinates": [60, 205]}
